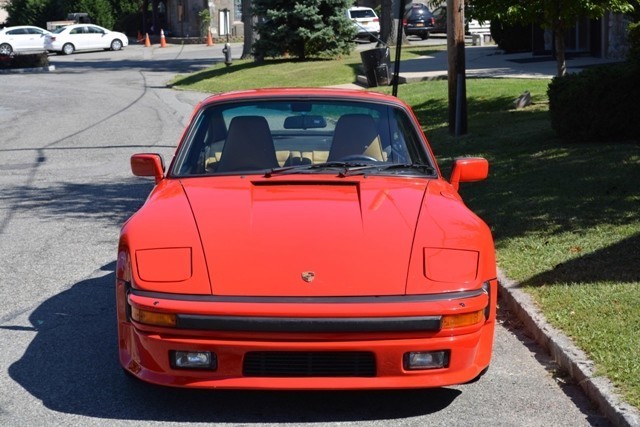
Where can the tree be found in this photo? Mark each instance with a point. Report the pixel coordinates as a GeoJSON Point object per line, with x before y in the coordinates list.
{"type": "Point", "coordinates": [31, 12]}
{"type": "Point", "coordinates": [38, 12]}
{"type": "Point", "coordinates": [556, 15]}
{"type": "Point", "coordinates": [100, 11]}
{"type": "Point", "coordinates": [247, 19]}
{"type": "Point", "coordinates": [303, 28]}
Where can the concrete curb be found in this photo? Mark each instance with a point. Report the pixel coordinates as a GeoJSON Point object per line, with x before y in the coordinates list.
{"type": "Point", "coordinates": [597, 388]}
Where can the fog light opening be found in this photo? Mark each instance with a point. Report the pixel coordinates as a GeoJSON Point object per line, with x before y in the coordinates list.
{"type": "Point", "coordinates": [193, 360]}
{"type": "Point", "coordinates": [421, 360]}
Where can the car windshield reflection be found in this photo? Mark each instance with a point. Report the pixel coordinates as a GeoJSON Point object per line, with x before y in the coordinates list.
{"type": "Point", "coordinates": [312, 136]}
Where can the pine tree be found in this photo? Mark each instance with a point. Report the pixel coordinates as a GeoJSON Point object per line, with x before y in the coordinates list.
{"type": "Point", "coordinates": [303, 28]}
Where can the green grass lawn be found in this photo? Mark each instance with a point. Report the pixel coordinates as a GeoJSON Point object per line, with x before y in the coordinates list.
{"type": "Point", "coordinates": [565, 216]}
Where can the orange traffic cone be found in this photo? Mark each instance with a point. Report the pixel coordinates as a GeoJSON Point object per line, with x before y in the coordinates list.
{"type": "Point", "coordinates": [147, 42]}
{"type": "Point", "coordinates": [163, 42]}
{"type": "Point", "coordinates": [209, 39]}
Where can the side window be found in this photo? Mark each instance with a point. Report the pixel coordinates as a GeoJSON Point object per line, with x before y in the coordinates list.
{"type": "Point", "coordinates": [16, 32]}
{"type": "Point", "coordinates": [406, 144]}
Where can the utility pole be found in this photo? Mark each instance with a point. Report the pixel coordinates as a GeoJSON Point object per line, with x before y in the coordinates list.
{"type": "Point", "coordinates": [457, 68]}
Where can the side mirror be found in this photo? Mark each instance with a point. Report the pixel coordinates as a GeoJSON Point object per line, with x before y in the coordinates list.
{"type": "Point", "coordinates": [150, 164]}
{"type": "Point", "coordinates": [468, 169]}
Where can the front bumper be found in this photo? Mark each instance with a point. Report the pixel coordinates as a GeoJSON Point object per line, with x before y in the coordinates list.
{"type": "Point", "coordinates": [144, 349]}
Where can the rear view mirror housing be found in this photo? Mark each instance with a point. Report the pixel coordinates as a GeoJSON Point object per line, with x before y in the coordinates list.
{"type": "Point", "coordinates": [468, 169]}
{"type": "Point", "coordinates": [148, 164]}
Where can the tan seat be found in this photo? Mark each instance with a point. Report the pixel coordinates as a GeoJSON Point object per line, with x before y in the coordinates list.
{"type": "Point", "coordinates": [248, 146]}
{"type": "Point", "coordinates": [355, 135]}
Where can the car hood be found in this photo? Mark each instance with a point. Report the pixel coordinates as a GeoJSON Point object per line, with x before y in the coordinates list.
{"type": "Point", "coordinates": [287, 236]}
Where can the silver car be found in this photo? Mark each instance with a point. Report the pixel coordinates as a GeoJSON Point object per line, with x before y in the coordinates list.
{"type": "Point", "coordinates": [71, 38]}
{"type": "Point", "coordinates": [22, 38]}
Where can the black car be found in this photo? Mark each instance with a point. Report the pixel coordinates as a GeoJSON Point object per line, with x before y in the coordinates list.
{"type": "Point", "coordinates": [440, 16]}
{"type": "Point", "coordinates": [419, 21]}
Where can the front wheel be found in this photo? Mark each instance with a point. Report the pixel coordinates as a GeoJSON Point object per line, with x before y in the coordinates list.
{"type": "Point", "coordinates": [6, 49]}
{"type": "Point", "coordinates": [68, 49]}
{"type": "Point", "coordinates": [116, 45]}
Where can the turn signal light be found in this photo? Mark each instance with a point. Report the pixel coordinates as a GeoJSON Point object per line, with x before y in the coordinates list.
{"type": "Point", "coordinates": [460, 320]}
{"type": "Point", "coordinates": [153, 317]}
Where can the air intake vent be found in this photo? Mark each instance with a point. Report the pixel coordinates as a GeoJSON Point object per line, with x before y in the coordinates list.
{"type": "Point", "coordinates": [309, 364]}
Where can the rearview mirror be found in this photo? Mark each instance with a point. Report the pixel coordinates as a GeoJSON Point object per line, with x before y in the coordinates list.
{"type": "Point", "coordinates": [305, 122]}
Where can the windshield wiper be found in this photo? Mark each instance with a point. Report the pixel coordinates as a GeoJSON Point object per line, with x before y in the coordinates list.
{"type": "Point", "coordinates": [427, 169]}
{"type": "Point", "coordinates": [344, 166]}
{"type": "Point", "coordinates": [350, 168]}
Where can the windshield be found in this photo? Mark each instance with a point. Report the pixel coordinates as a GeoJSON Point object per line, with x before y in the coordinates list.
{"type": "Point", "coordinates": [362, 13]}
{"type": "Point", "coordinates": [264, 136]}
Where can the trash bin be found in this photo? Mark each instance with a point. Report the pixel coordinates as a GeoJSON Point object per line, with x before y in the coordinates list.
{"type": "Point", "coordinates": [377, 66]}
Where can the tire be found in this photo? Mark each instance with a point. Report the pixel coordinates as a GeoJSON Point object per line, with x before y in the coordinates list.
{"type": "Point", "coordinates": [6, 49]}
{"type": "Point", "coordinates": [116, 44]}
{"type": "Point", "coordinates": [68, 49]}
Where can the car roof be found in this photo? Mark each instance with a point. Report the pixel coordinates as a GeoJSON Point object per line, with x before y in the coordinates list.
{"type": "Point", "coordinates": [83, 25]}
{"type": "Point", "coordinates": [17, 27]}
{"type": "Point", "coordinates": [21, 26]}
{"type": "Point", "coordinates": [302, 93]}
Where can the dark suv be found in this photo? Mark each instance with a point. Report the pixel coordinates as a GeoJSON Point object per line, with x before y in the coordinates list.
{"type": "Point", "coordinates": [419, 21]}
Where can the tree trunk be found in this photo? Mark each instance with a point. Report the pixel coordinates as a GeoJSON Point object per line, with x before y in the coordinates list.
{"type": "Point", "coordinates": [390, 22]}
{"type": "Point", "coordinates": [385, 20]}
{"type": "Point", "coordinates": [457, 68]}
{"type": "Point", "coordinates": [247, 19]}
{"type": "Point", "coordinates": [560, 48]}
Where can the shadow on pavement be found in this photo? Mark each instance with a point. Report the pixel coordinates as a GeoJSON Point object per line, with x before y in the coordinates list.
{"type": "Point", "coordinates": [72, 366]}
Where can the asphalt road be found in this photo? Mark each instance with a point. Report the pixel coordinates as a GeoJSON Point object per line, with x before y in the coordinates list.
{"type": "Point", "coordinates": [66, 187]}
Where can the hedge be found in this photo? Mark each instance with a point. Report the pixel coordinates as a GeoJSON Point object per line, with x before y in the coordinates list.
{"type": "Point", "coordinates": [32, 60]}
{"type": "Point", "coordinates": [598, 104]}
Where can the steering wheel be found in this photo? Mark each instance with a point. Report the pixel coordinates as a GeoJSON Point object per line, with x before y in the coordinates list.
{"type": "Point", "coordinates": [356, 157]}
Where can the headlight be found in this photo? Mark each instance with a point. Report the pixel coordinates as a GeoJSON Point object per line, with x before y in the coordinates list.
{"type": "Point", "coordinates": [450, 265]}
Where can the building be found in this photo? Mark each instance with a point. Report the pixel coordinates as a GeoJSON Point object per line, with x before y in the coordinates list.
{"type": "Point", "coordinates": [184, 18]}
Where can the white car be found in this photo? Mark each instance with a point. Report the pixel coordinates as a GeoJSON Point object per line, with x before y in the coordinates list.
{"type": "Point", "coordinates": [366, 22]}
{"type": "Point", "coordinates": [23, 38]}
{"type": "Point", "coordinates": [71, 38]}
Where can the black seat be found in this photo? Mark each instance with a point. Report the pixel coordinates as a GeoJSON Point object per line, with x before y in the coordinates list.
{"type": "Point", "coordinates": [248, 146]}
{"type": "Point", "coordinates": [355, 135]}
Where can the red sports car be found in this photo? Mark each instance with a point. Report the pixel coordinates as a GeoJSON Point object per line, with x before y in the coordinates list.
{"type": "Point", "coordinates": [305, 239]}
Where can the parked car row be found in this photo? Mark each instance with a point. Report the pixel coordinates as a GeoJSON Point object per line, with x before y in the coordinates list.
{"type": "Point", "coordinates": [421, 21]}
{"type": "Point", "coordinates": [64, 40]}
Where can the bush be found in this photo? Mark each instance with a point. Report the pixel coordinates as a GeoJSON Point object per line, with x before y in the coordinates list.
{"type": "Point", "coordinates": [34, 60]}
{"type": "Point", "coordinates": [511, 37]}
{"type": "Point", "coordinates": [598, 104]}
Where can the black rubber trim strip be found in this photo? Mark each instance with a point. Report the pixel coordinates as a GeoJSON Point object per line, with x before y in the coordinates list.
{"type": "Point", "coordinates": [447, 296]}
{"type": "Point", "coordinates": [303, 324]}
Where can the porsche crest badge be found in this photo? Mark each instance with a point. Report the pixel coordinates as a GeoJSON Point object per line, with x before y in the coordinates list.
{"type": "Point", "coordinates": [308, 276]}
